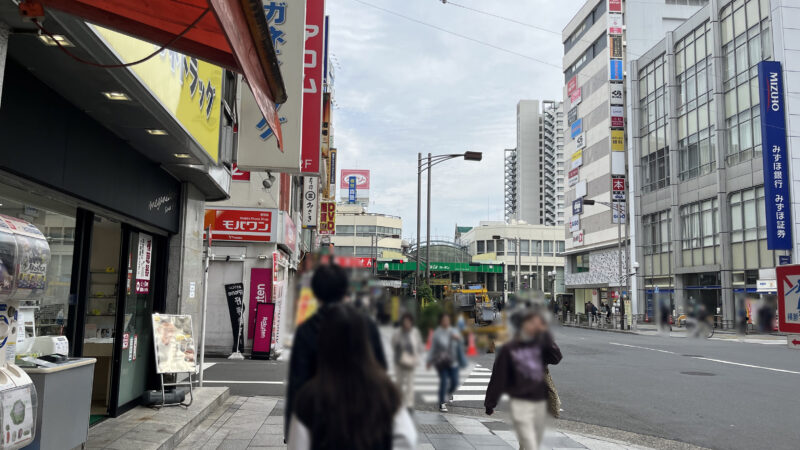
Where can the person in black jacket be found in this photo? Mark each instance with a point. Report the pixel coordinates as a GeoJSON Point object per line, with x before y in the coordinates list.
{"type": "Point", "coordinates": [519, 371]}
{"type": "Point", "coordinates": [330, 285]}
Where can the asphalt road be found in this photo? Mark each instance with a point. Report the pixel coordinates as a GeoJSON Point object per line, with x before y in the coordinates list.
{"type": "Point", "coordinates": [726, 395]}
{"type": "Point", "coordinates": [249, 377]}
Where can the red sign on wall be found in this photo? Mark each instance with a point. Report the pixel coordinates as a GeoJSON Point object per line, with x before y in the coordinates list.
{"type": "Point", "coordinates": [615, 5]}
{"type": "Point", "coordinates": [239, 175]}
{"type": "Point", "coordinates": [788, 278]}
{"type": "Point", "coordinates": [312, 86]}
{"type": "Point", "coordinates": [353, 261]}
{"type": "Point", "coordinates": [327, 218]}
{"type": "Point", "coordinates": [260, 292]}
{"type": "Point", "coordinates": [240, 224]}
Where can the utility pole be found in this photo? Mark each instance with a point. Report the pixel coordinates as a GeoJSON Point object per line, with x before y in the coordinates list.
{"type": "Point", "coordinates": [428, 218]}
{"type": "Point", "coordinates": [617, 209]}
{"type": "Point", "coordinates": [419, 207]}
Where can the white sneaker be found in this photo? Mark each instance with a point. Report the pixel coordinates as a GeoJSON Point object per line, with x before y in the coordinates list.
{"type": "Point", "coordinates": [443, 407]}
{"type": "Point", "coordinates": [450, 398]}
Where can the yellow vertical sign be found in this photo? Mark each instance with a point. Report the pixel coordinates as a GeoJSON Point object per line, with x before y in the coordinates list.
{"type": "Point", "coordinates": [188, 88]}
{"type": "Point", "coordinates": [617, 140]}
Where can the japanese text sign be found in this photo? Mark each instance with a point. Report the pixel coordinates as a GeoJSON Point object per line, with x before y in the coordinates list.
{"type": "Point", "coordinates": [615, 70]}
{"type": "Point", "coordinates": [577, 206]}
{"type": "Point", "coordinates": [310, 201]}
{"type": "Point", "coordinates": [576, 128]}
{"type": "Point", "coordinates": [572, 85]}
{"type": "Point", "coordinates": [312, 86]}
{"type": "Point", "coordinates": [616, 94]}
{"type": "Point", "coordinates": [614, 24]}
{"type": "Point", "coordinates": [327, 218]}
{"type": "Point", "coordinates": [617, 117]}
{"type": "Point", "coordinates": [775, 157]}
{"type": "Point", "coordinates": [144, 260]}
{"type": "Point", "coordinates": [618, 188]}
{"type": "Point", "coordinates": [617, 140]}
{"type": "Point", "coordinates": [240, 224]}
{"type": "Point", "coordinates": [788, 298]}
{"type": "Point", "coordinates": [615, 5]}
{"type": "Point", "coordinates": [351, 190]}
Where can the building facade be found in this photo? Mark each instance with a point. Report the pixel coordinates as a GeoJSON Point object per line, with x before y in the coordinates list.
{"type": "Point", "coordinates": [597, 44]}
{"type": "Point", "coordinates": [699, 178]}
{"type": "Point", "coordinates": [527, 252]}
{"type": "Point", "coordinates": [367, 235]}
{"type": "Point", "coordinates": [533, 174]}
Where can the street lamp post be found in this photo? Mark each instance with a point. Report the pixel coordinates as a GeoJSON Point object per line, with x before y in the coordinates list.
{"type": "Point", "coordinates": [432, 160]}
{"type": "Point", "coordinates": [615, 207]}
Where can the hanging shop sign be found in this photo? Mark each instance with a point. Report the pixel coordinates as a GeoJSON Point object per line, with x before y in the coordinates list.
{"type": "Point", "coordinates": [618, 188]}
{"type": "Point", "coordinates": [617, 117]}
{"type": "Point", "coordinates": [573, 176]}
{"type": "Point", "coordinates": [310, 201]}
{"type": "Point", "coordinates": [351, 189]}
{"type": "Point", "coordinates": [617, 163]}
{"type": "Point", "coordinates": [188, 88]}
{"type": "Point", "coordinates": [616, 94]}
{"type": "Point", "coordinates": [143, 263]}
{"type": "Point", "coordinates": [576, 128]}
{"type": "Point", "coordinates": [327, 218]}
{"type": "Point", "coordinates": [616, 72]}
{"type": "Point", "coordinates": [576, 160]}
{"type": "Point", "coordinates": [618, 212]}
{"type": "Point", "coordinates": [234, 292]}
{"type": "Point", "coordinates": [580, 141]}
{"type": "Point", "coordinates": [577, 237]}
{"type": "Point", "coordinates": [615, 24]}
{"type": "Point", "coordinates": [615, 5]}
{"type": "Point", "coordinates": [312, 85]}
{"type": "Point", "coordinates": [575, 223]}
{"type": "Point", "coordinates": [580, 189]}
{"type": "Point", "coordinates": [573, 91]}
{"type": "Point", "coordinates": [575, 98]}
{"type": "Point", "coordinates": [238, 174]}
{"type": "Point", "coordinates": [260, 292]}
{"type": "Point", "coordinates": [257, 148]}
{"type": "Point", "coordinates": [615, 46]}
{"type": "Point", "coordinates": [577, 206]}
{"type": "Point", "coordinates": [617, 140]}
{"type": "Point", "coordinates": [332, 173]}
{"type": "Point", "coordinates": [240, 224]}
{"type": "Point", "coordinates": [572, 84]}
{"type": "Point", "coordinates": [775, 157]}
{"type": "Point", "coordinates": [572, 115]}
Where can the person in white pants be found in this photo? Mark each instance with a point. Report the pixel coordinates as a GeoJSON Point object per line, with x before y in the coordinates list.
{"type": "Point", "coordinates": [407, 347]}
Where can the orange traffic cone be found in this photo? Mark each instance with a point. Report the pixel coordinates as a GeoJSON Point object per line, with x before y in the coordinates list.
{"type": "Point", "coordinates": [471, 350]}
{"type": "Point", "coordinates": [430, 340]}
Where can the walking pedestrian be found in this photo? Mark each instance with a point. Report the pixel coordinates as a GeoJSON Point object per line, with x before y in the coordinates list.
{"type": "Point", "coordinates": [329, 285]}
{"type": "Point", "coordinates": [407, 346]}
{"type": "Point", "coordinates": [350, 402]}
{"type": "Point", "coordinates": [447, 356]}
{"type": "Point", "coordinates": [520, 370]}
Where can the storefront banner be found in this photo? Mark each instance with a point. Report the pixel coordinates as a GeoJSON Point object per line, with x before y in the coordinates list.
{"type": "Point", "coordinates": [615, 24]}
{"type": "Point", "coordinates": [615, 46]}
{"type": "Point", "coordinates": [353, 261]}
{"type": "Point", "coordinates": [573, 176]}
{"type": "Point", "coordinates": [234, 292]}
{"type": "Point", "coordinates": [576, 128]}
{"type": "Point", "coordinates": [174, 343]}
{"type": "Point", "coordinates": [310, 201]}
{"type": "Point", "coordinates": [188, 88]}
{"type": "Point", "coordinates": [575, 223]}
{"type": "Point", "coordinates": [327, 218]}
{"type": "Point", "coordinates": [258, 148]}
{"type": "Point", "coordinates": [143, 262]}
{"type": "Point", "coordinates": [617, 117]}
{"type": "Point", "coordinates": [262, 340]}
{"type": "Point", "coordinates": [580, 141]}
{"type": "Point", "coordinates": [617, 140]}
{"type": "Point", "coordinates": [312, 85]}
{"type": "Point", "coordinates": [616, 71]}
{"type": "Point", "coordinates": [260, 292]}
{"type": "Point", "coordinates": [238, 174]}
{"type": "Point", "coordinates": [616, 94]}
{"type": "Point", "coordinates": [775, 156]}
{"type": "Point", "coordinates": [241, 224]}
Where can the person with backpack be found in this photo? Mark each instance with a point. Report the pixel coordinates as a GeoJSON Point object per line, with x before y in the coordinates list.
{"type": "Point", "coordinates": [407, 346]}
{"type": "Point", "coordinates": [350, 402]}
{"type": "Point", "coordinates": [520, 370]}
{"type": "Point", "coordinates": [447, 356]}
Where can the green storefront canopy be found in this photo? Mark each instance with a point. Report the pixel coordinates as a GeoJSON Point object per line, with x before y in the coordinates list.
{"type": "Point", "coordinates": [448, 267]}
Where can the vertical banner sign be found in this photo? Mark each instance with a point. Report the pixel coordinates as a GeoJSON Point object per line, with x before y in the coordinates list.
{"type": "Point", "coordinates": [575, 223]}
{"type": "Point", "coordinates": [573, 177]}
{"type": "Point", "coordinates": [310, 201]}
{"type": "Point", "coordinates": [577, 206]}
{"type": "Point", "coordinates": [262, 340]}
{"type": "Point", "coordinates": [615, 70]}
{"type": "Point", "coordinates": [143, 261]}
{"type": "Point", "coordinates": [351, 190]}
{"type": "Point", "coordinates": [572, 115]}
{"type": "Point", "coordinates": [616, 94]}
{"type": "Point", "coordinates": [327, 218]}
{"type": "Point", "coordinates": [774, 156]}
{"type": "Point", "coordinates": [576, 128]}
{"type": "Point", "coordinates": [260, 292]}
{"type": "Point", "coordinates": [617, 140]}
{"type": "Point", "coordinates": [576, 160]}
{"type": "Point", "coordinates": [615, 24]}
{"type": "Point", "coordinates": [618, 212]}
{"type": "Point", "coordinates": [615, 46]}
{"type": "Point", "coordinates": [618, 188]}
{"type": "Point", "coordinates": [332, 174]}
{"type": "Point", "coordinates": [312, 86]}
{"type": "Point", "coordinates": [573, 91]}
{"type": "Point", "coordinates": [617, 117]}
{"type": "Point", "coordinates": [615, 5]}
{"type": "Point", "coordinates": [234, 292]}
{"type": "Point", "coordinates": [580, 141]}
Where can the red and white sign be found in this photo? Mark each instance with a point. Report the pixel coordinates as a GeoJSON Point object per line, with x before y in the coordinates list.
{"type": "Point", "coordinates": [788, 298]}
{"type": "Point", "coordinates": [310, 154]}
{"type": "Point", "coordinates": [327, 218]}
{"type": "Point", "coordinates": [793, 340]}
{"type": "Point", "coordinates": [239, 175]}
{"type": "Point", "coordinates": [289, 233]}
{"type": "Point", "coordinates": [617, 117]}
{"type": "Point", "coordinates": [240, 224]}
{"type": "Point", "coordinates": [618, 188]}
{"type": "Point", "coordinates": [143, 262]}
{"type": "Point", "coordinates": [573, 176]}
{"type": "Point", "coordinates": [572, 85]}
{"type": "Point", "coordinates": [260, 292]}
{"type": "Point", "coordinates": [615, 24]}
{"type": "Point", "coordinates": [577, 237]}
{"type": "Point", "coordinates": [615, 5]}
{"type": "Point", "coordinates": [353, 261]}
{"type": "Point", "coordinates": [362, 178]}
{"type": "Point", "coordinates": [575, 97]}
{"type": "Point", "coordinates": [126, 341]}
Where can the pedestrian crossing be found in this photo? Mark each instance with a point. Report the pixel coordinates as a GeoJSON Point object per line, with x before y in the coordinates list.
{"type": "Point", "coordinates": [473, 381]}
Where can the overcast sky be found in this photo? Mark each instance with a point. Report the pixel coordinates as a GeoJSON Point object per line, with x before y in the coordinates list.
{"type": "Point", "coordinates": [402, 88]}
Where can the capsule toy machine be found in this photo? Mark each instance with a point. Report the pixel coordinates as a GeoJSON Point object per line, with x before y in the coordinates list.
{"type": "Point", "coordinates": [24, 256]}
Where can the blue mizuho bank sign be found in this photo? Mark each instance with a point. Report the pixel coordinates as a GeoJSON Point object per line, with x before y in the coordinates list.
{"type": "Point", "coordinates": [774, 155]}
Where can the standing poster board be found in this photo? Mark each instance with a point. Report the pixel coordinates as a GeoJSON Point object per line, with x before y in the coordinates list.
{"type": "Point", "coordinates": [262, 339]}
{"type": "Point", "coordinates": [174, 343]}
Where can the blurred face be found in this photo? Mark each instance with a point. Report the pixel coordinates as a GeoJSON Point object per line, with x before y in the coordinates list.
{"type": "Point", "coordinates": [407, 323]}
{"type": "Point", "coordinates": [445, 321]}
{"type": "Point", "coordinates": [533, 326]}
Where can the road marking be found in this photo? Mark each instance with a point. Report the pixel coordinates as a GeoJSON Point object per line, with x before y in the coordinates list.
{"type": "Point", "coordinates": [746, 365]}
{"type": "Point", "coordinates": [241, 382]}
{"type": "Point", "coordinates": [644, 348]}
{"type": "Point", "coordinates": [477, 380]}
{"type": "Point", "coordinates": [472, 388]}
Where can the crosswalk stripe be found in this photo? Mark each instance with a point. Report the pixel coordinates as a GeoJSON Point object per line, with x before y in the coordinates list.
{"type": "Point", "coordinates": [472, 388]}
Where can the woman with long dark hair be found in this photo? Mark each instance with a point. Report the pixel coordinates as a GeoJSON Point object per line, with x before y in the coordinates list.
{"type": "Point", "coordinates": [351, 403]}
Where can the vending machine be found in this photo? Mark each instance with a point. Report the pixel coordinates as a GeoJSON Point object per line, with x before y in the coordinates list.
{"type": "Point", "coordinates": [24, 256]}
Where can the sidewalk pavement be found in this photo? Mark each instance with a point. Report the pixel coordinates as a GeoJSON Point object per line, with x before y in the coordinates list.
{"type": "Point", "coordinates": [649, 329]}
{"type": "Point", "coordinates": [257, 423]}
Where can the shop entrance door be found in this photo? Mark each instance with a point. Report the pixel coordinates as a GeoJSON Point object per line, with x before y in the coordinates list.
{"type": "Point", "coordinates": [135, 346]}
{"type": "Point", "coordinates": [219, 332]}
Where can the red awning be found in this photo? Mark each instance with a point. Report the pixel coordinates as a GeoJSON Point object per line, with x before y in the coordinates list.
{"type": "Point", "coordinates": [236, 36]}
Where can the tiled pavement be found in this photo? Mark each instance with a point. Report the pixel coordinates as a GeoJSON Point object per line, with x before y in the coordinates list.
{"type": "Point", "coordinates": [257, 423]}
